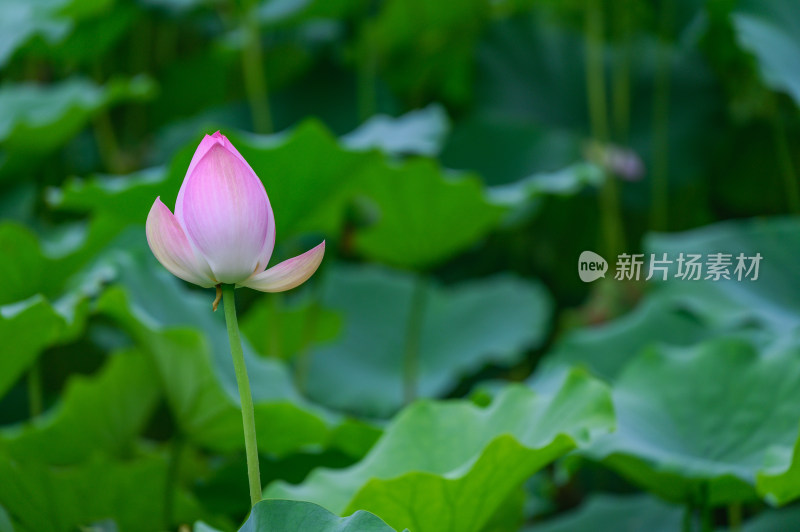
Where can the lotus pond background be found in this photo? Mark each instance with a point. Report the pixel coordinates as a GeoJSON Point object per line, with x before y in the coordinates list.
{"type": "Point", "coordinates": [457, 156]}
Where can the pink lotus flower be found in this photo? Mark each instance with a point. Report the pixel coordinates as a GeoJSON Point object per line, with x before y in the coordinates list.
{"type": "Point", "coordinates": [223, 229]}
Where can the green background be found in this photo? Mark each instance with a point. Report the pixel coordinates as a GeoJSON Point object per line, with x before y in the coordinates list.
{"type": "Point", "coordinates": [457, 157]}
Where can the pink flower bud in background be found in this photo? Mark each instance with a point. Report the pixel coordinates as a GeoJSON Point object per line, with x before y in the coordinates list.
{"type": "Point", "coordinates": [625, 163]}
{"type": "Point", "coordinates": [622, 162]}
{"type": "Point", "coordinates": [223, 229]}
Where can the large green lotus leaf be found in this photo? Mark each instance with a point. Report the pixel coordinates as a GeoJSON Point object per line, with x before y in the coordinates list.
{"type": "Point", "coordinates": [778, 480]}
{"type": "Point", "coordinates": [774, 521]}
{"type": "Point", "coordinates": [769, 302]}
{"type": "Point", "coordinates": [680, 312]}
{"type": "Point", "coordinates": [36, 119]}
{"type": "Point", "coordinates": [189, 344]}
{"type": "Point", "coordinates": [463, 328]}
{"type": "Point", "coordinates": [420, 132]}
{"type": "Point", "coordinates": [769, 30]}
{"type": "Point", "coordinates": [449, 465]}
{"type": "Point", "coordinates": [61, 499]}
{"type": "Point", "coordinates": [39, 306]}
{"type": "Point", "coordinates": [156, 300]}
{"type": "Point", "coordinates": [289, 516]}
{"type": "Point", "coordinates": [564, 182]}
{"type": "Point", "coordinates": [99, 413]}
{"type": "Point", "coordinates": [55, 264]}
{"type": "Point", "coordinates": [44, 303]}
{"type": "Point", "coordinates": [695, 424]}
{"type": "Point", "coordinates": [526, 197]}
{"type": "Point", "coordinates": [283, 331]}
{"type": "Point", "coordinates": [27, 328]}
{"type": "Point", "coordinates": [424, 217]}
{"type": "Point", "coordinates": [30, 269]}
{"type": "Point", "coordinates": [615, 513]}
{"type": "Point", "coordinates": [606, 349]}
{"type": "Point", "coordinates": [30, 326]}
{"type": "Point", "coordinates": [205, 411]}
{"type": "Point", "coordinates": [178, 6]}
{"type": "Point", "coordinates": [49, 20]}
{"type": "Point", "coordinates": [129, 197]}
{"type": "Point", "coordinates": [5, 521]}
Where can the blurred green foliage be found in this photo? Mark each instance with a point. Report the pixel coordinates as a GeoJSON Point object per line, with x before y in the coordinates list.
{"type": "Point", "coordinates": [457, 156]}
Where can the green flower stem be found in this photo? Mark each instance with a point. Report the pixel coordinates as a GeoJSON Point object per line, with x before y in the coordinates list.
{"type": "Point", "coordinates": [688, 516]}
{"type": "Point", "coordinates": [35, 390]}
{"type": "Point", "coordinates": [107, 143]}
{"type": "Point", "coordinates": [255, 81]}
{"type": "Point", "coordinates": [706, 517]}
{"type": "Point", "coordinates": [621, 82]}
{"type": "Point", "coordinates": [173, 472]}
{"type": "Point", "coordinates": [104, 134]}
{"type": "Point", "coordinates": [140, 60]}
{"type": "Point", "coordinates": [735, 517]}
{"type": "Point", "coordinates": [786, 164]}
{"type": "Point", "coordinates": [367, 97]}
{"type": "Point", "coordinates": [413, 334]}
{"type": "Point", "coordinates": [594, 31]}
{"type": "Point", "coordinates": [659, 214]}
{"type": "Point", "coordinates": [248, 418]}
{"type": "Point", "coordinates": [367, 68]}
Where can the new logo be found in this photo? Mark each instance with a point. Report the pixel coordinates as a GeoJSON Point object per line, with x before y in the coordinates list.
{"type": "Point", "coordinates": [591, 266]}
